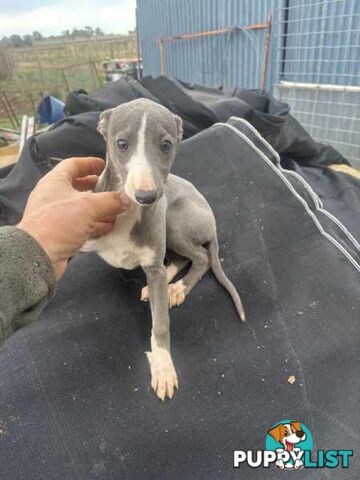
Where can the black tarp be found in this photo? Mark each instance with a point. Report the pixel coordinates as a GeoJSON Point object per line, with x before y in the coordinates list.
{"type": "Point", "coordinates": [201, 107]}
{"type": "Point", "coordinates": [75, 401]}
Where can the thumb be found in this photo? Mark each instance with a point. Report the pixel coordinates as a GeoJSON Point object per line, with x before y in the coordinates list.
{"type": "Point", "coordinates": [105, 204]}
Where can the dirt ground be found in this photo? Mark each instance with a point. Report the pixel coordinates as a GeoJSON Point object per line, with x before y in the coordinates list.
{"type": "Point", "coordinates": [8, 154]}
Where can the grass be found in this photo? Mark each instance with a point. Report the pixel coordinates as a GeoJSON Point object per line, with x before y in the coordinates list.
{"type": "Point", "coordinates": [4, 123]}
{"type": "Point", "coordinates": [26, 90]}
{"type": "Point", "coordinates": [39, 71]}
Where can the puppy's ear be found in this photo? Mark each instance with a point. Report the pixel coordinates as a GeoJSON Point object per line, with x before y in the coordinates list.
{"type": "Point", "coordinates": [179, 128]}
{"type": "Point", "coordinates": [296, 425]}
{"type": "Point", "coordinates": [103, 123]}
{"type": "Point", "coordinates": [276, 432]}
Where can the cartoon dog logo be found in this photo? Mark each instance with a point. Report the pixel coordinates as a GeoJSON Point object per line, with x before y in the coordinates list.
{"type": "Point", "coordinates": [288, 434]}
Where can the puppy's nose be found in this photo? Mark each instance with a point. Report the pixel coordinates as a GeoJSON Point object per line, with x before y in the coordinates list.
{"type": "Point", "coordinates": [300, 433]}
{"type": "Point", "coordinates": [145, 197]}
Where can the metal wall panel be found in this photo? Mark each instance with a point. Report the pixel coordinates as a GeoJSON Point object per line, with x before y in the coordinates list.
{"type": "Point", "coordinates": [317, 60]}
{"type": "Point", "coordinates": [318, 41]}
{"type": "Point", "coordinates": [228, 59]}
{"type": "Point", "coordinates": [331, 117]}
{"type": "Point", "coordinates": [313, 42]}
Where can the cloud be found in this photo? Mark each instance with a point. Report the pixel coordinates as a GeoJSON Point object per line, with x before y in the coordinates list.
{"type": "Point", "coordinates": [10, 6]}
{"type": "Point", "coordinates": [111, 16]}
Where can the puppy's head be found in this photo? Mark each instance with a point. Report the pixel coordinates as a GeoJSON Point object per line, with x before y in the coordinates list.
{"type": "Point", "coordinates": [141, 138]}
{"type": "Point", "coordinates": [288, 434]}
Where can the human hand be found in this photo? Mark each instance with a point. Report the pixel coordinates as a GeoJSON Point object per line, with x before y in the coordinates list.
{"type": "Point", "coordinates": [61, 214]}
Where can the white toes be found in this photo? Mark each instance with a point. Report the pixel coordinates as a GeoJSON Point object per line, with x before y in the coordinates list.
{"type": "Point", "coordinates": [163, 375]}
{"type": "Point", "coordinates": [176, 293]}
{"type": "Point", "coordinates": [145, 294]}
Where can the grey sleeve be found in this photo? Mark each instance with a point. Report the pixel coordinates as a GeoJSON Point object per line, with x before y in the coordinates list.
{"type": "Point", "coordinates": [27, 280]}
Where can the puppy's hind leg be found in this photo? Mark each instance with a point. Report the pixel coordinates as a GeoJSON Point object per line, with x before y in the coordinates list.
{"type": "Point", "coordinates": [175, 265]}
{"type": "Point", "coordinates": [199, 266]}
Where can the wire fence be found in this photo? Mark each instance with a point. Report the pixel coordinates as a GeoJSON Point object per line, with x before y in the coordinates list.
{"type": "Point", "coordinates": [317, 57]}
{"type": "Point", "coordinates": [55, 68]}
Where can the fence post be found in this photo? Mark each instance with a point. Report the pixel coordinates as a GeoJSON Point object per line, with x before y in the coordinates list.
{"type": "Point", "coordinates": [65, 80]}
{"type": "Point", "coordinates": [266, 54]}
{"type": "Point", "coordinates": [40, 70]}
{"type": "Point", "coordinates": [162, 66]}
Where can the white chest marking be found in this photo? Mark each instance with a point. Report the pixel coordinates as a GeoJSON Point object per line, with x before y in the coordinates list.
{"type": "Point", "coordinates": [117, 248]}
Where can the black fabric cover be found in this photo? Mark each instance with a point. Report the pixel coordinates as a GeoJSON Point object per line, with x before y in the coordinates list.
{"type": "Point", "coordinates": [340, 193]}
{"type": "Point", "coordinates": [113, 94]}
{"type": "Point", "coordinates": [201, 107]}
{"type": "Point", "coordinates": [77, 136]}
{"type": "Point", "coordinates": [71, 137]}
{"type": "Point", "coordinates": [75, 401]}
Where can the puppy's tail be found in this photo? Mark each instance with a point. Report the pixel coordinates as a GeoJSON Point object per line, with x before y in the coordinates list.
{"type": "Point", "coordinates": [220, 276]}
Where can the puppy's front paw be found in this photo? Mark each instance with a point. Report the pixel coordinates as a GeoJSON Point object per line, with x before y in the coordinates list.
{"type": "Point", "coordinates": [145, 295]}
{"type": "Point", "coordinates": [163, 375]}
{"type": "Point", "coordinates": [176, 293]}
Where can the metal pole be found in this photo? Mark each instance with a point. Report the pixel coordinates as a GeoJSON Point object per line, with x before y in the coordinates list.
{"type": "Point", "coordinates": [210, 33]}
{"type": "Point", "coordinates": [96, 73]}
{"type": "Point", "coordinates": [33, 103]}
{"type": "Point", "coordinates": [286, 24]}
{"type": "Point", "coordinates": [266, 54]}
{"type": "Point", "coordinates": [11, 110]}
{"type": "Point", "coordinates": [23, 132]}
{"type": "Point", "coordinates": [138, 76]}
{"type": "Point", "coordinates": [162, 68]}
{"type": "Point", "coordinates": [65, 80]}
{"type": "Point", "coordinates": [7, 111]}
{"type": "Point", "coordinates": [93, 74]}
{"type": "Point", "coordinates": [40, 70]}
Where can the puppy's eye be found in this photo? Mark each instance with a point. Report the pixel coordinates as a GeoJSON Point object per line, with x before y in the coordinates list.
{"type": "Point", "coordinates": [122, 144]}
{"type": "Point", "coordinates": [286, 434]}
{"type": "Point", "coordinates": [165, 147]}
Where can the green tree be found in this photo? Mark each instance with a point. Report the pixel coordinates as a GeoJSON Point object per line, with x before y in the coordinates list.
{"type": "Point", "coordinates": [28, 40]}
{"type": "Point", "coordinates": [37, 36]}
{"type": "Point", "coordinates": [6, 42]}
{"type": "Point", "coordinates": [17, 41]}
{"type": "Point", "coordinates": [88, 31]}
{"type": "Point", "coordinates": [99, 32]}
{"type": "Point", "coordinates": [75, 33]}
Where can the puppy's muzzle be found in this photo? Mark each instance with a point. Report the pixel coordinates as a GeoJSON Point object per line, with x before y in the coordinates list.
{"type": "Point", "coordinates": [145, 197]}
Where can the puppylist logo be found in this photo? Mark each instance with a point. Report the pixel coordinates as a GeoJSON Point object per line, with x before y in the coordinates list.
{"type": "Point", "coordinates": [289, 445]}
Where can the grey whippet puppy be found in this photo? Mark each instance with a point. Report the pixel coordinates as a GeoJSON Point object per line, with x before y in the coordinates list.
{"type": "Point", "coordinates": [166, 213]}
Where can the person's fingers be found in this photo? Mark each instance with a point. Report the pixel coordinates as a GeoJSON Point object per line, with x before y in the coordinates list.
{"type": "Point", "coordinates": [73, 168]}
{"type": "Point", "coordinates": [101, 228]}
{"type": "Point", "coordinates": [85, 183]}
{"type": "Point", "coordinates": [105, 204]}
{"type": "Point", "coordinates": [108, 219]}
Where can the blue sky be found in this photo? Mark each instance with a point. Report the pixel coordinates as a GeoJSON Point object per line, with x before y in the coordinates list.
{"type": "Point", "coordinates": [53, 16]}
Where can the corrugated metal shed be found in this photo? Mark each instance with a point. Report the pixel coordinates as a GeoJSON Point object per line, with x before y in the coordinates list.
{"type": "Point", "coordinates": [313, 41]}
{"type": "Point", "coordinates": [228, 59]}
